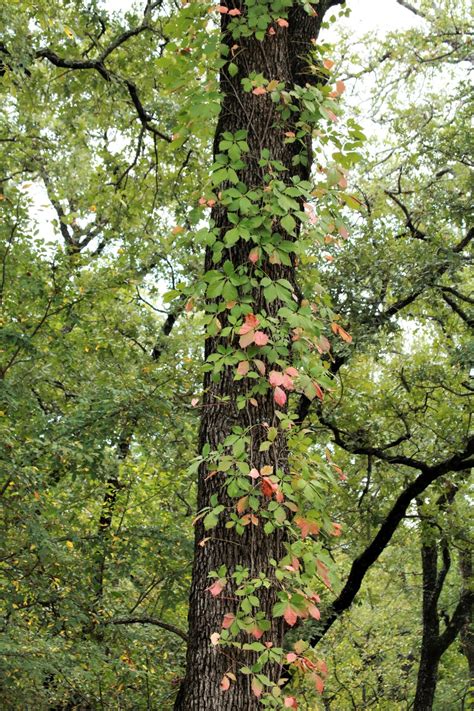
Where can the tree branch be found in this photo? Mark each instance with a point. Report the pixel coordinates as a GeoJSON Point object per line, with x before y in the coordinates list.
{"type": "Point", "coordinates": [147, 621]}
{"type": "Point", "coordinates": [360, 566]}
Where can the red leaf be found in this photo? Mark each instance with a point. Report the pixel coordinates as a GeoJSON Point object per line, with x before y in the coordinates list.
{"type": "Point", "coordinates": [217, 587]}
{"type": "Point", "coordinates": [256, 632]}
{"type": "Point", "coordinates": [228, 620]}
{"type": "Point", "coordinates": [251, 322]}
{"type": "Point", "coordinates": [254, 256]}
{"type": "Point", "coordinates": [290, 616]}
{"type": "Point", "coordinates": [280, 396]}
{"type": "Point", "coordinates": [287, 382]}
{"type": "Point", "coordinates": [318, 683]}
{"type": "Point", "coordinates": [292, 372]}
{"type": "Point", "coordinates": [259, 91]}
{"type": "Point", "coordinates": [336, 529]}
{"type": "Point", "coordinates": [340, 87]}
{"type": "Point", "coordinates": [275, 378]}
{"type": "Point", "coordinates": [267, 487]}
{"type": "Point", "coordinates": [306, 526]}
{"type": "Point", "coordinates": [260, 338]}
{"type": "Point", "coordinates": [339, 331]}
{"type": "Point", "coordinates": [290, 702]}
{"type": "Point", "coordinates": [314, 612]}
{"type": "Point", "coordinates": [291, 657]}
{"type": "Point", "coordinates": [282, 22]}
{"type": "Point", "coordinates": [222, 9]}
{"type": "Point", "coordinates": [234, 12]}
{"type": "Point", "coordinates": [328, 64]}
{"type": "Point", "coordinates": [323, 573]}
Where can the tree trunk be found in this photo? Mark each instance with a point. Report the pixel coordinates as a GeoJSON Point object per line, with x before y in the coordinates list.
{"type": "Point", "coordinates": [278, 56]}
{"type": "Point", "coordinates": [429, 656]}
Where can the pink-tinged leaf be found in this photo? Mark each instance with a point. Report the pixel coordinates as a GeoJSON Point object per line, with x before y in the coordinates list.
{"type": "Point", "coordinates": [271, 31]}
{"type": "Point", "coordinates": [260, 365]}
{"type": "Point", "coordinates": [234, 12]}
{"type": "Point", "coordinates": [342, 230]}
{"type": "Point", "coordinates": [217, 587]}
{"type": "Point", "coordinates": [275, 378]}
{"type": "Point", "coordinates": [340, 87]}
{"type": "Point", "coordinates": [225, 683]}
{"type": "Point", "coordinates": [343, 184]}
{"type": "Point", "coordinates": [211, 202]}
{"type": "Point", "coordinates": [290, 134]}
{"type": "Point", "coordinates": [222, 9]}
{"type": "Point", "coordinates": [260, 338]}
{"type": "Point", "coordinates": [202, 201]}
{"type": "Point", "coordinates": [322, 667]}
{"type": "Point", "coordinates": [331, 115]}
{"type": "Point", "coordinates": [253, 402]}
{"type": "Point", "coordinates": [292, 372]}
{"type": "Point", "coordinates": [336, 529]}
{"type": "Point", "coordinates": [259, 91]}
{"type": "Point", "coordinates": [195, 401]}
{"type": "Point", "coordinates": [323, 573]}
{"type": "Point", "coordinates": [243, 367]}
{"type": "Point", "coordinates": [290, 702]}
{"type": "Point", "coordinates": [323, 345]}
{"type": "Point", "coordinates": [291, 657]}
{"type": "Point", "coordinates": [228, 620]}
{"type": "Point", "coordinates": [328, 64]}
{"type": "Point", "coordinates": [281, 22]}
{"type": "Point", "coordinates": [246, 339]}
{"type": "Point", "coordinates": [287, 382]}
{"type": "Point", "coordinates": [254, 256]}
{"type": "Point", "coordinates": [256, 632]}
{"type": "Point", "coordinates": [279, 396]}
{"type": "Point", "coordinates": [295, 564]}
{"type": "Point", "coordinates": [290, 616]}
{"type": "Point", "coordinates": [215, 637]}
{"type": "Point", "coordinates": [257, 687]}
{"type": "Point", "coordinates": [314, 612]}
{"type": "Point", "coordinates": [318, 683]}
{"type": "Point", "coordinates": [254, 473]}
{"type": "Point", "coordinates": [342, 476]}
{"type": "Point", "coordinates": [279, 496]}
{"type": "Point", "coordinates": [251, 322]}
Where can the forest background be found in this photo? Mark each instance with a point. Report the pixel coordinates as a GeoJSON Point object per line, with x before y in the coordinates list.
{"type": "Point", "coordinates": [106, 184]}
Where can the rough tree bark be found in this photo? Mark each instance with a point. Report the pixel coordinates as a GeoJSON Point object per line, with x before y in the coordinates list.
{"type": "Point", "coordinates": [435, 643]}
{"type": "Point", "coordinates": [279, 56]}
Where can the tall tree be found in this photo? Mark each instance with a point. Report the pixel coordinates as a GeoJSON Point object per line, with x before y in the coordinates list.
{"type": "Point", "coordinates": [266, 51]}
